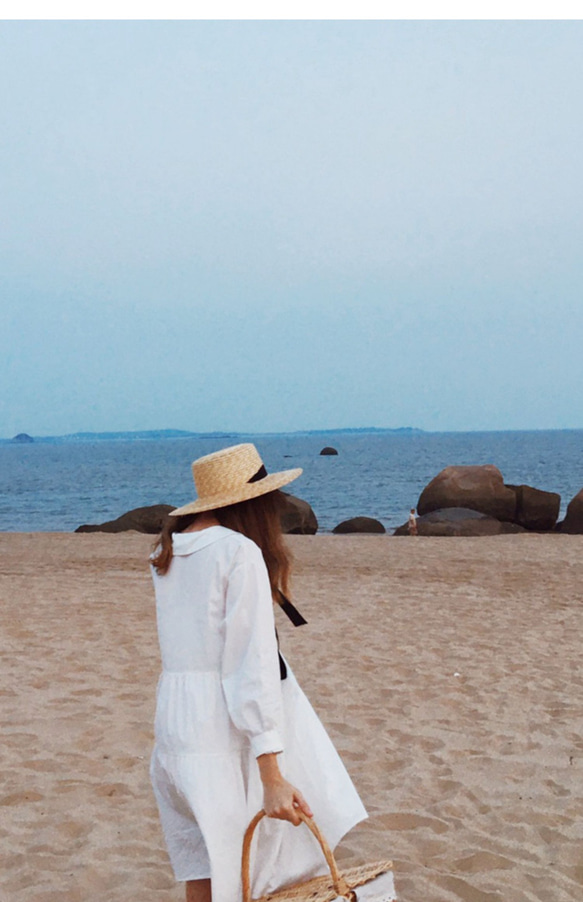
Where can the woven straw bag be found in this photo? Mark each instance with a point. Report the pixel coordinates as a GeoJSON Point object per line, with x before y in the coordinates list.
{"type": "Point", "coordinates": [367, 883]}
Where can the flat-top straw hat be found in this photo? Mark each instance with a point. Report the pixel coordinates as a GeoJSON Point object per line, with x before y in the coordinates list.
{"type": "Point", "coordinates": [232, 475]}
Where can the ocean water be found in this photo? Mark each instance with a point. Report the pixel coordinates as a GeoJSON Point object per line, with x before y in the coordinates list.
{"type": "Point", "coordinates": [57, 487]}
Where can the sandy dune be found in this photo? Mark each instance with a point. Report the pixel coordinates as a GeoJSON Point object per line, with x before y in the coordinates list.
{"type": "Point", "coordinates": [448, 672]}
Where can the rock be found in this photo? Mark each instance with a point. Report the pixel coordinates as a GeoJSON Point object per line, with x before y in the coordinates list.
{"type": "Point", "coordinates": [573, 522]}
{"type": "Point", "coordinates": [536, 509]}
{"type": "Point", "coordinates": [142, 519]}
{"type": "Point", "coordinates": [23, 438]}
{"type": "Point", "coordinates": [479, 488]}
{"type": "Point", "coordinates": [459, 521]}
{"type": "Point", "coordinates": [297, 517]}
{"type": "Point", "coordinates": [328, 451]}
{"type": "Point", "coordinates": [359, 524]}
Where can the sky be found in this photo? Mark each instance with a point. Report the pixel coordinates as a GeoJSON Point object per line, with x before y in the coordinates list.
{"type": "Point", "coordinates": [264, 226]}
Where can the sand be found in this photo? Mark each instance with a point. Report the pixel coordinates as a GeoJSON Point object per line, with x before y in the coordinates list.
{"type": "Point", "coordinates": [446, 670]}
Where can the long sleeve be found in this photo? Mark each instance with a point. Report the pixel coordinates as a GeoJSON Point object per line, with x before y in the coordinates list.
{"type": "Point", "coordinates": [250, 667]}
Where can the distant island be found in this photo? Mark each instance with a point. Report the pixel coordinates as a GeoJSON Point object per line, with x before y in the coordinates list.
{"type": "Point", "coordinates": [144, 435]}
{"type": "Point", "coordinates": [407, 430]}
{"type": "Point", "coordinates": [157, 434]}
{"type": "Point", "coordinates": [23, 438]}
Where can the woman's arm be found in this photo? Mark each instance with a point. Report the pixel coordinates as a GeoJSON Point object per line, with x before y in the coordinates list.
{"type": "Point", "coordinates": [250, 665]}
{"type": "Point", "coordinates": [251, 680]}
{"type": "Point", "coordinates": [280, 798]}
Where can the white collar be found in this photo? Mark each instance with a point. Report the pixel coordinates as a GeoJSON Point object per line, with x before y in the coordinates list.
{"type": "Point", "coordinates": [188, 542]}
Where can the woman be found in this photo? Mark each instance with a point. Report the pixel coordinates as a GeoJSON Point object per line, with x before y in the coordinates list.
{"type": "Point", "coordinates": [234, 731]}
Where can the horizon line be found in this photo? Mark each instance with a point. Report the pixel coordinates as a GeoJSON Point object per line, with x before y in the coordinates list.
{"type": "Point", "coordinates": [186, 433]}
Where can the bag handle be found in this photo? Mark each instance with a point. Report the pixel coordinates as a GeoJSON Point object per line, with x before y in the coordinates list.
{"type": "Point", "coordinates": [340, 885]}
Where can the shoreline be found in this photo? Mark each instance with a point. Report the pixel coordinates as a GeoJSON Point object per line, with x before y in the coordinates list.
{"type": "Point", "coordinates": [447, 674]}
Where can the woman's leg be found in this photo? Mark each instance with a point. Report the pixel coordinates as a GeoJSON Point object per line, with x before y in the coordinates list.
{"type": "Point", "coordinates": [198, 891]}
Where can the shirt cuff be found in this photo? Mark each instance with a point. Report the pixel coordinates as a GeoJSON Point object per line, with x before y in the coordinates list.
{"type": "Point", "coordinates": [266, 743]}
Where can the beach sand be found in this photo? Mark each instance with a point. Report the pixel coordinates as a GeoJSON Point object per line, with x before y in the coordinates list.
{"type": "Point", "coordinates": [447, 671]}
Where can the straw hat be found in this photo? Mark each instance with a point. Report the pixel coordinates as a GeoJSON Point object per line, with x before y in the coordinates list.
{"type": "Point", "coordinates": [232, 475]}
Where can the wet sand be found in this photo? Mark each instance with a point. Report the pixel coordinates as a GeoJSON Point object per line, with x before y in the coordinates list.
{"type": "Point", "coordinates": [448, 672]}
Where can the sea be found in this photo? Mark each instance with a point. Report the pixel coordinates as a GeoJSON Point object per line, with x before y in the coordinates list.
{"type": "Point", "coordinates": [56, 486]}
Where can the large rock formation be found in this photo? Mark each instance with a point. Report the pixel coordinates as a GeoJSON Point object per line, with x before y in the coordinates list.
{"type": "Point", "coordinates": [297, 517]}
{"type": "Point", "coordinates": [573, 522]}
{"type": "Point", "coordinates": [482, 489]}
{"type": "Point", "coordinates": [142, 519]}
{"type": "Point", "coordinates": [458, 521]}
{"type": "Point", "coordinates": [535, 509]}
{"type": "Point", "coordinates": [359, 524]}
{"type": "Point", "coordinates": [479, 488]}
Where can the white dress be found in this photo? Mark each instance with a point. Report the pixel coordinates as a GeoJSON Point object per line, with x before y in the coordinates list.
{"type": "Point", "coordinates": [220, 704]}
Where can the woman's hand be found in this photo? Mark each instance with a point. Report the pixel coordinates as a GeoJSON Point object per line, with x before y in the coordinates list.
{"type": "Point", "coordinates": [283, 801]}
{"type": "Point", "coordinates": [280, 798]}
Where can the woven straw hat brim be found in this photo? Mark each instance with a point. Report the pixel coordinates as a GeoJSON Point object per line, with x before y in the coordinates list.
{"type": "Point", "coordinates": [244, 493]}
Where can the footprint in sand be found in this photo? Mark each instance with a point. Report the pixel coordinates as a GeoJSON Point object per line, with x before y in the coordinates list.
{"type": "Point", "coordinates": [42, 765]}
{"type": "Point", "coordinates": [341, 727]}
{"type": "Point", "coordinates": [111, 790]}
{"type": "Point", "coordinates": [18, 798]}
{"type": "Point", "coordinates": [75, 829]}
{"type": "Point", "coordinates": [18, 740]}
{"type": "Point", "coordinates": [557, 789]}
{"type": "Point", "coordinates": [483, 861]}
{"type": "Point", "coordinates": [158, 880]}
{"type": "Point", "coordinates": [400, 820]}
{"type": "Point", "coordinates": [461, 889]}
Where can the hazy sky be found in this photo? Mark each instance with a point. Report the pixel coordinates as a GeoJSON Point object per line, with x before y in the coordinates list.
{"type": "Point", "coordinates": [268, 226]}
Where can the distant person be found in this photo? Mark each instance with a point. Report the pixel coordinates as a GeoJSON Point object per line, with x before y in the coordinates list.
{"type": "Point", "coordinates": [412, 523]}
{"type": "Point", "coordinates": [234, 731]}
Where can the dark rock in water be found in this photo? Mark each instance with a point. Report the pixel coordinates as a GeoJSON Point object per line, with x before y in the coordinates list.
{"type": "Point", "coordinates": [23, 438]}
{"type": "Point", "coordinates": [459, 521]}
{"type": "Point", "coordinates": [142, 519]}
{"type": "Point", "coordinates": [297, 517]}
{"type": "Point", "coordinates": [327, 451]}
{"type": "Point", "coordinates": [479, 488]}
{"type": "Point", "coordinates": [573, 522]}
{"type": "Point", "coordinates": [535, 509]}
{"type": "Point", "coordinates": [359, 524]}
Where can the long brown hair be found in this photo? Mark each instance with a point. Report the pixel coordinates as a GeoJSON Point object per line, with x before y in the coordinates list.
{"type": "Point", "coordinates": [258, 518]}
